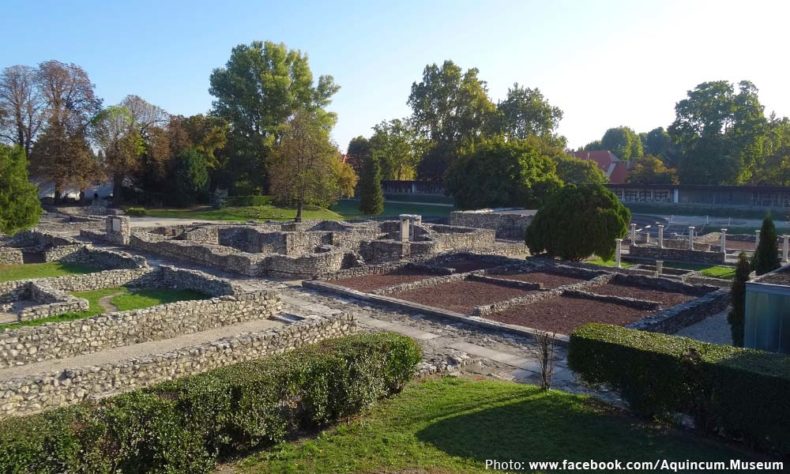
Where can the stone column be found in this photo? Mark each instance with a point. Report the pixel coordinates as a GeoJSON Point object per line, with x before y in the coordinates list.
{"type": "Point", "coordinates": [691, 237]}
{"type": "Point", "coordinates": [723, 241]}
{"type": "Point", "coordinates": [618, 251]}
{"type": "Point", "coordinates": [633, 233]}
{"type": "Point", "coordinates": [405, 227]}
{"type": "Point", "coordinates": [659, 267]}
{"type": "Point", "coordinates": [756, 239]}
{"type": "Point", "coordinates": [660, 236]}
{"type": "Point", "coordinates": [118, 229]}
{"type": "Point", "coordinates": [785, 247]}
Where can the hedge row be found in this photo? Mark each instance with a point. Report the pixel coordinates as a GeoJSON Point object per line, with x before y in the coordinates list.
{"type": "Point", "coordinates": [186, 424]}
{"type": "Point", "coordinates": [243, 201]}
{"type": "Point", "coordinates": [740, 393]}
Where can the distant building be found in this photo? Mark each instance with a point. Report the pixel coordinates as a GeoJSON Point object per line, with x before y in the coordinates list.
{"type": "Point", "coordinates": [615, 169]}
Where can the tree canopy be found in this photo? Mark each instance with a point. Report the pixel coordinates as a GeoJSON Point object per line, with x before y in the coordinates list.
{"type": "Point", "coordinates": [572, 170]}
{"type": "Point", "coordinates": [526, 112]}
{"type": "Point", "coordinates": [591, 211]}
{"type": "Point", "coordinates": [500, 173]}
{"type": "Point", "coordinates": [651, 170]}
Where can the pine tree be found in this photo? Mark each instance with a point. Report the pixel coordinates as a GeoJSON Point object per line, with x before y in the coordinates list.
{"type": "Point", "coordinates": [19, 205]}
{"type": "Point", "coordinates": [371, 196]}
{"type": "Point", "coordinates": [738, 299]}
{"type": "Point", "coordinates": [766, 256]}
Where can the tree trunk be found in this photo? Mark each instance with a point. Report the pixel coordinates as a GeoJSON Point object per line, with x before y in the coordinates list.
{"type": "Point", "coordinates": [117, 181]}
{"type": "Point", "coordinates": [298, 211]}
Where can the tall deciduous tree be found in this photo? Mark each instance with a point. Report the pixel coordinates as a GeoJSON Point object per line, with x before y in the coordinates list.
{"type": "Point", "coordinates": [396, 148]}
{"type": "Point", "coordinates": [19, 205]}
{"type": "Point", "coordinates": [736, 316]}
{"type": "Point", "coordinates": [450, 108]}
{"type": "Point", "coordinates": [122, 144]}
{"type": "Point", "coordinates": [358, 151]}
{"type": "Point", "coordinates": [262, 85]}
{"type": "Point", "coordinates": [21, 100]}
{"type": "Point", "coordinates": [577, 222]}
{"type": "Point", "coordinates": [526, 112]}
{"type": "Point", "coordinates": [62, 154]}
{"type": "Point", "coordinates": [623, 142]}
{"type": "Point", "coordinates": [503, 173]}
{"type": "Point", "coordinates": [719, 133]}
{"type": "Point", "coordinates": [658, 143]}
{"type": "Point", "coordinates": [306, 168]}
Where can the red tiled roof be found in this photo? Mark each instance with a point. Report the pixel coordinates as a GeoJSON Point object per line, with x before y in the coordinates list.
{"type": "Point", "coordinates": [616, 170]}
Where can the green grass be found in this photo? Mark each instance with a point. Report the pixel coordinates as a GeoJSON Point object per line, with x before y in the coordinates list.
{"type": "Point", "coordinates": [349, 209]}
{"type": "Point", "coordinates": [25, 271]}
{"type": "Point", "coordinates": [125, 300]}
{"type": "Point", "coordinates": [245, 213]}
{"type": "Point", "coordinates": [713, 271]}
{"type": "Point", "coordinates": [607, 263]}
{"type": "Point", "coordinates": [454, 425]}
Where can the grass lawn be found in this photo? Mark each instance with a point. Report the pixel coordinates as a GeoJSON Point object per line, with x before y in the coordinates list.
{"type": "Point", "coordinates": [454, 425]}
{"type": "Point", "coordinates": [349, 209]}
{"type": "Point", "coordinates": [124, 300]}
{"type": "Point", "coordinates": [42, 270]}
{"type": "Point", "coordinates": [713, 271]}
{"type": "Point", "coordinates": [245, 213]}
{"type": "Point", "coordinates": [607, 263]}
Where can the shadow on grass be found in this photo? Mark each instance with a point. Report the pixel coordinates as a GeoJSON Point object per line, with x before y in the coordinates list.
{"type": "Point", "coordinates": [552, 426]}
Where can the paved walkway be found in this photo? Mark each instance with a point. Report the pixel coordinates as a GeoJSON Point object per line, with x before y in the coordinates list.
{"type": "Point", "coordinates": [714, 329]}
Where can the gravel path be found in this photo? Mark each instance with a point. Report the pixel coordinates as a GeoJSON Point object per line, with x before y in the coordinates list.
{"type": "Point", "coordinates": [714, 329]}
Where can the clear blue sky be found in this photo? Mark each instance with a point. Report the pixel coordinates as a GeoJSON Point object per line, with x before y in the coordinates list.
{"type": "Point", "coordinates": [605, 63]}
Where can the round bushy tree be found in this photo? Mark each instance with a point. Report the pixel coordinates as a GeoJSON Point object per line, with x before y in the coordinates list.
{"type": "Point", "coordinates": [579, 221]}
{"type": "Point", "coordinates": [736, 317]}
{"type": "Point", "coordinates": [503, 173]}
{"type": "Point", "coordinates": [20, 207]}
{"type": "Point", "coordinates": [191, 177]}
{"type": "Point", "coordinates": [766, 256]}
{"type": "Point", "coordinates": [371, 196]}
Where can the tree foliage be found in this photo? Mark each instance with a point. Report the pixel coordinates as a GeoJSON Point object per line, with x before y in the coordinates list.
{"type": "Point", "coordinates": [623, 142]}
{"type": "Point", "coordinates": [658, 143]}
{"type": "Point", "coordinates": [736, 316]}
{"type": "Point", "coordinates": [191, 183]}
{"type": "Point", "coordinates": [719, 133]}
{"type": "Point", "coordinates": [396, 148]}
{"type": "Point", "coordinates": [526, 112]}
{"type": "Point", "coordinates": [23, 104]}
{"type": "Point", "coordinates": [500, 173]}
{"type": "Point", "coordinates": [766, 255]}
{"type": "Point", "coordinates": [572, 170]}
{"type": "Point", "coordinates": [651, 170]}
{"type": "Point", "coordinates": [306, 168]}
{"type": "Point", "coordinates": [579, 221]}
{"type": "Point", "coordinates": [371, 196]}
{"type": "Point", "coordinates": [19, 205]}
{"type": "Point", "coordinates": [260, 87]}
{"type": "Point", "coordinates": [358, 151]}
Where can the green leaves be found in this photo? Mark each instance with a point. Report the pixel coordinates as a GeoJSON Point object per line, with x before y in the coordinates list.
{"type": "Point", "coordinates": [19, 205]}
{"type": "Point", "coordinates": [591, 211]}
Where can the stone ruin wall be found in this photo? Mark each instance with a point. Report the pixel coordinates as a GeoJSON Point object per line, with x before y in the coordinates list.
{"type": "Point", "coordinates": [61, 388]}
{"type": "Point", "coordinates": [510, 226]}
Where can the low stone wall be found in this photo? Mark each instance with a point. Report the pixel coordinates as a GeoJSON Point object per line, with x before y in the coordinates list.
{"type": "Point", "coordinates": [621, 300]}
{"type": "Point", "coordinates": [11, 256]}
{"type": "Point", "coordinates": [508, 225]}
{"type": "Point", "coordinates": [676, 255]}
{"type": "Point", "coordinates": [67, 339]}
{"type": "Point", "coordinates": [664, 284]}
{"type": "Point", "coordinates": [314, 265]}
{"type": "Point", "coordinates": [673, 319]}
{"type": "Point", "coordinates": [105, 259]}
{"type": "Point", "coordinates": [34, 394]}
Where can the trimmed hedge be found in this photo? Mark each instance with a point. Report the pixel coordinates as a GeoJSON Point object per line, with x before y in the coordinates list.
{"type": "Point", "coordinates": [136, 211]}
{"type": "Point", "coordinates": [740, 393]}
{"type": "Point", "coordinates": [244, 201]}
{"type": "Point", "coordinates": [186, 424]}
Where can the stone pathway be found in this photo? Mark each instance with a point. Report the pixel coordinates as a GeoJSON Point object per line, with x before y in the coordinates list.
{"type": "Point", "coordinates": [105, 302]}
{"type": "Point", "coordinates": [714, 329]}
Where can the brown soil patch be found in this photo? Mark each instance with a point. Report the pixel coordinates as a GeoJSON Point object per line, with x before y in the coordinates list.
{"type": "Point", "coordinates": [666, 298]}
{"type": "Point", "coordinates": [461, 296]}
{"type": "Point", "coordinates": [382, 280]}
{"type": "Point", "coordinates": [548, 280]}
{"type": "Point", "coordinates": [563, 314]}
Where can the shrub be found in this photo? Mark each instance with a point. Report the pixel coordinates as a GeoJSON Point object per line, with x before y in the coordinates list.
{"type": "Point", "coordinates": [244, 201]}
{"type": "Point", "coordinates": [741, 393]}
{"type": "Point", "coordinates": [185, 424]}
{"type": "Point", "coordinates": [371, 195]}
{"type": "Point", "coordinates": [20, 208]}
{"type": "Point", "coordinates": [736, 316]}
{"type": "Point", "coordinates": [136, 211]}
{"type": "Point", "coordinates": [766, 255]}
{"type": "Point", "coordinates": [579, 221]}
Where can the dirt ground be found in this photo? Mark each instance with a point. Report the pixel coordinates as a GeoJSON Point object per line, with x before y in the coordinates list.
{"type": "Point", "coordinates": [548, 280]}
{"type": "Point", "coordinates": [461, 296]}
{"type": "Point", "coordinates": [666, 298]}
{"type": "Point", "coordinates": [563, 314]}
